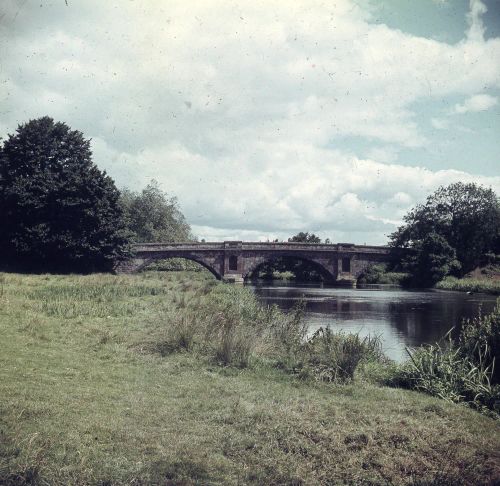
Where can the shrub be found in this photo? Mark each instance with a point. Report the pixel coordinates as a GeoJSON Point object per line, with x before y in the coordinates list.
{"type": "Point", "coordinates": [379, 274]}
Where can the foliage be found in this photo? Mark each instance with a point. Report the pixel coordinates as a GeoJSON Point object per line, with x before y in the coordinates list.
{"type": "Point", "coordinates": [294, 268]}
{"type": "Point", "coordinates": [444, 372]}
{"type": "Point", "coordinates": [301, 270]}
{"type": "Point", "coordinates": [480, 340]}
{"type": "Point", "coordinates": [459, 222]}
{"type": "Point", "coordinates": [462, 371]}
{"type": "Point", "coordinates": [379, 274]}
{"type": "Point", "coordinates": [57, 209]}
{"type": "Point", "coordinates": [174, 265]}
{"type": "Point", "coordinates": [431, 260]}
{"type": "Point", "coordinates": [305, 238]}
{"type": "Point", "coordinates": [153, 216]}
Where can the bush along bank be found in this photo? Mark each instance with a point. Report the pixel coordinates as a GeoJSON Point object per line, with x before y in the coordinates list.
{"type": "Point", "coordinates": [380, 275]}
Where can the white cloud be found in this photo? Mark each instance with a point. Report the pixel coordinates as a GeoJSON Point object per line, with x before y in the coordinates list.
{"type": "Point", "coordinates": [439, 123]}
{"type": "Point", "coordinates": [235, 108]}
{"type": "Point", "coordinates": [325, 191]}
{"type": "Point", "coordinates": [474, 19]}
{"type": "Point", "coordinates": [480, 102]}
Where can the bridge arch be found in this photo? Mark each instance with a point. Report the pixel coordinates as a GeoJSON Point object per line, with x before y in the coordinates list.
{"type": "Point", "coordinates": [327, 274]}
{"type": "Point", "coordinates": [141, 263]}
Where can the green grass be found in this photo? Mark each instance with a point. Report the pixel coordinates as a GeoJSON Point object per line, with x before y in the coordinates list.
{"type": "Point", "coordinates": [95, 388]}
{"type": "Point", "coordinates": [485, 285]}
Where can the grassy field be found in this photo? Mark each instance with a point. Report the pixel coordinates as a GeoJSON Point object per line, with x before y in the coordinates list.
{"type": "Point", "coordinates": [94, 391]}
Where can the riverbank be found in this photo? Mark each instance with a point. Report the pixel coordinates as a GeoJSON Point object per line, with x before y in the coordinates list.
{"type": "Point", "coordinates": [476, 285]}
{"type": "Point", "coordinates": [101, 383]}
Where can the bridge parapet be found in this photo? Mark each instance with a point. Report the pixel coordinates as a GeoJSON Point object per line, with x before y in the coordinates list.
{"type": "Point", "coordinates": [263, 246]}
{"type": "Point", "coordinates": [148, 247]}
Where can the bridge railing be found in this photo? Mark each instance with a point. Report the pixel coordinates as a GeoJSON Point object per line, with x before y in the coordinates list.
{"type": "Point", "coordinates": [259, 246]}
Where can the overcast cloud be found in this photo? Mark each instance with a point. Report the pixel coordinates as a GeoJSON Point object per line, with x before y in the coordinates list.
{"type": "Point", "coordinates": [263, 118]}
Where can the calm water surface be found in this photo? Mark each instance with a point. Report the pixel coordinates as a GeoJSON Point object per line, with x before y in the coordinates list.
{"type": "Point", "coordinates": [401, 317]}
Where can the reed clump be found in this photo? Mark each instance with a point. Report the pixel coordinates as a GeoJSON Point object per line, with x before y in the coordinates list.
{"type": "Point", "coordinates": [335, 356]}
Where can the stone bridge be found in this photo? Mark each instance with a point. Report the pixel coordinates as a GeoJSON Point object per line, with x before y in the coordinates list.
{"type": "Point", "coordinates": [233, 261]}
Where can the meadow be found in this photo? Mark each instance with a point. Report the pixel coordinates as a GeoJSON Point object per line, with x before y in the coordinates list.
{"type": "Point", "coordinates": [172, 378]}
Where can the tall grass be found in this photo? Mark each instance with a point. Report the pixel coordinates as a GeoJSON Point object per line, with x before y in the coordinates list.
{"type": "Point", "coordinates": [334, 357]}
{"type": "Point", "coordinates": [230, 327]}
{"type": "Point", "coordinates": [485, 285]}
{"type": "Point", "coordinates": [480, 341]}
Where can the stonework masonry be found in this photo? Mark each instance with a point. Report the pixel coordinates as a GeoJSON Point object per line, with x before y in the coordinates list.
{"type": "Point", "coordinates": [233, 261]}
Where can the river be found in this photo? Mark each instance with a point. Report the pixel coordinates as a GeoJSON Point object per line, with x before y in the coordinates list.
{"type": "Point", "coordinates": [402, 318]}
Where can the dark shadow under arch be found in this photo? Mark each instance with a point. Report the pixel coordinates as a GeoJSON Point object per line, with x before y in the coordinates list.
{"type": "Point", "coordinates": [324, 273]}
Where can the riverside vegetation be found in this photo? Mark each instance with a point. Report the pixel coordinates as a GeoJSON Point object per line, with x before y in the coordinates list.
{"type": "Point", "coordinates": [485, 279]}
{"type": "Point", "coordinates": [173, 378]}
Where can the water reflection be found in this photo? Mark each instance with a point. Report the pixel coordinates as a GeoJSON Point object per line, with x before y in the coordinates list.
{"type": "Point", "coordinates": [402, 318]}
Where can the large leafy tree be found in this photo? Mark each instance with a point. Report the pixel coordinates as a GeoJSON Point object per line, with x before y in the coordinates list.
{"type": "Point", "coordinates": [455, 229]}
{"type": "Point", "coordinates": [58, 211]}
{"type": "Point", "coordinates": [153, 216]}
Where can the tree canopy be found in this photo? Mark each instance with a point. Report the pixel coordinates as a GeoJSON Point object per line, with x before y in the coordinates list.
{"type": "Point", "coordinates": [305, 238]}
{"type": "Point", "coordinates": [153, 216]}
{"type": "Point", "coordinates": [57, 209]}
{"type": "Point", "coordinates": [452, 233]}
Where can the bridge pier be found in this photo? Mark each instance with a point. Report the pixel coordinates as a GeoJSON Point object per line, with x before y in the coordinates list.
{"type": "Point", "coordinates": [233, 262]}
{"type": "Point", "coordinates": [233, 278]}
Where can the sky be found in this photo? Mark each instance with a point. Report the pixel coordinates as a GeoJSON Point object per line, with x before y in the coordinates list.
{"type": "Point", "coordinates": [266, 118]}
